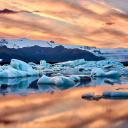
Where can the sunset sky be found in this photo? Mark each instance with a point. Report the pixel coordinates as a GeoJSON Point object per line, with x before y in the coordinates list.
{"type": "Point", "coordinates": [100, 23]}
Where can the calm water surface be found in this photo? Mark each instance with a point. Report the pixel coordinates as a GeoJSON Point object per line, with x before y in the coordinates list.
{"type": "Point", "coordinates": [48, 106]}
{"type": "Point", "coordinates": [25, 86]}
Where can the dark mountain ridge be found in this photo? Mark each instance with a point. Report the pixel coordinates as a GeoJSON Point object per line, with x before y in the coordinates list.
{"type": "Point", "coordinates": [36, 53]}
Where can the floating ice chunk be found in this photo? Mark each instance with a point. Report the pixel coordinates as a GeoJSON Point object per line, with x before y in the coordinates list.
{"type": "Point", "coordinates": [97, 97]}
{"type": "Point", "coordinates": [12, 73]}
{"type": "Point", "coordinates": [115, 94]}
{"type": "Point", "coordinates": [41, 73]}
{"type": "Point", "coordinates": [67, 81]}
{"type": "Point", "coordinates": [56, 69]}
{"type": "Point", "coordinates": [58, 80]}
{"type": "Point", "coordinates": [98, 72]}
{"type": "Point", "coordinates": [22, 66]}
{"type": "Point", "coordinates": [75, 78]}
{"type": "Point", "coordinates": [17, 68]}
{"type": "Point", "coordinates": [72, 63]}
{"type": "Point", "coordinates": [107, 93]}
{"type": "Point", "coordinates": [124, 71]}
{"type": "Point", "coordinates": [112, 74]}
{"type": "Point", "coordinates": [35, 66]}
{"type": "Point", "coordinates": [1, 69]}
{"type": "Point", "coordinates": [32, 64]}
{"type": "Point", "coordinates": [48, 70]}
{"type": "Point", "coordinates": [44, 64]}
{"type": "Point", "coordinates": [57, 74]}
{"type": "Point", "coordinates": [45, 80]}
{"type": "Point", "coordinates": [88, 95]}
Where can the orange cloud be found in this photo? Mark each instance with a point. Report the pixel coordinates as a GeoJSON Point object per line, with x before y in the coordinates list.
{"type": "Point", "coordinates": [90, 22]}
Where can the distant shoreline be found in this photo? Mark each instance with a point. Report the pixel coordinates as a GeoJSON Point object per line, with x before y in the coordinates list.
{"type": "Point", "coordinates": [2, 63]}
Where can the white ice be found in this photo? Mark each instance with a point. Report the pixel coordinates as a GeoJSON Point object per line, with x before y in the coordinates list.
{"type": "Point", "coordinates": [22, 66]}
{"type": "Point", "coordinates": [115, 94]}
{"type": "Point", "coordinates": [44, 63]}
{"type": "Point", "coordinates": [17, 68]}
{"type": "Point", "coordinates": [98, 72]}
{"type": "Point", "coordinates": [58, 80]}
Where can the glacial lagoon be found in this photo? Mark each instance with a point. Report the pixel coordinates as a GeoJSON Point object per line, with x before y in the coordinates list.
{"type": "Point", "coordinates": [29, 85]}
{"type": "Point", "coordinates": [24, 103]}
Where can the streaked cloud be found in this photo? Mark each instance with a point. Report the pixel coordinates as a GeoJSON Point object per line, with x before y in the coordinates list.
{"type": "Point", "coordinates": [91, 22]}
{"type": "Point", "coordinates": [7, 11]}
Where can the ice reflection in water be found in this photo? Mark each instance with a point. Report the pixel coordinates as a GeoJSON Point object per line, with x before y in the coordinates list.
{"type": "Point", "coordinates": [63, 108]}
{"type": "Point", "coordinates": [29, 85]}
{"type": "Point", "coordinates": [52, 88]}
{"type": "Point", "coordinates": [109, 81]}
{"type": "Point", "coordinates": [105, 81]}
{"type": "Point", "coordinates": [17, 85]}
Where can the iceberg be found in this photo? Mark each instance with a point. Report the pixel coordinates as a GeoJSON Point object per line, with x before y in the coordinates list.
{"type": "Point", "coordinates": [58, 80]}
{"type": "Point", "coordinates": [88, 95]}
{"type": "Point", "coordinates": [71, 64]}
{"type": "Point", "coordinates": [44, 64]}
{"type": "Point", "coordinates": [45, 80]}
{"type": "Point", "coordinates": [17, 68]}
{"type": "Point", "coordinates": [22, 66]}
{"type": "Point", "coordinates": [115, 94]}
{"type": "Point", "coordinates": [56, 69]}
{"type": "Point", "coordinates": [12, 73]}
{"type": "Point", "coordinates": [107, 93]}
{"type": "Point", "coordinates": [48, 70]}
{"type": "Point", "coordinates": [35, 66]}
{"type": "Point", "coordinates": [124, 71]}
{"type": "Point", "coordinates": [91, 96]}
{"type": "Point", "coordinates": [57, 74]}
{"type": "Point", "coordinates": [102, 68]}
{"type": "Point", "coordinates": [67, 81]}
{"type": "Point", "coordinates": [113, 74]}
{"type": "Point", "coordinates": [88, 66]}
{"type": "Point", "coordinates": [98, 72]}
{"type": "Point", "coordinates": [32, 64]}
{"type": "Point", "coordinates": [75, 78]}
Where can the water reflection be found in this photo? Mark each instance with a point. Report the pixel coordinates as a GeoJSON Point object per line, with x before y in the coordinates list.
{"type": "Point", "coordinates": [16, 85]}
{"type": "Point", "coordinates": [24, 86]}
{"type": "Point", "coordinates": [52, 88]}
{"type": "Point", "coordinates": [99, 97]}
{"type": "Point", "coordinates": [116, 98]}
{"type": "Point", "coordinates": [63, 109]}
{"type": "Point", "coordinates": [95, 81]}
{"type": "Point", "coordinates": [105, 81]}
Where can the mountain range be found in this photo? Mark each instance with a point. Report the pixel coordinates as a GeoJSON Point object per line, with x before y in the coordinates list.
{"type": "Point", "coordinates": [36, 50]}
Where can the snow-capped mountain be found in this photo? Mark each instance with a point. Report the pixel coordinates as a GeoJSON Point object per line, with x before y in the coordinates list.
{"type": "Point", "coordinates": [24, 42]}
{"type": "Point", "coordinates": [118, 54]}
